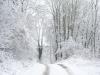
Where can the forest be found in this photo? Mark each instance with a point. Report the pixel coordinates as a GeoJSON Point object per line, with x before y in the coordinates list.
{"type": "Point", "coordinates": [49, 31]}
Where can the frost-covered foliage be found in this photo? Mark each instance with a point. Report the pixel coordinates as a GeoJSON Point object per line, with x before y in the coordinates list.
{"type": "Point", "coordinates": [14, 33]}
{"type": "Point", "coordinates": [77, 19]}
{"type": "Point", "coordinates": [72, 48]}
{"type": "Point", "coordinates": [6, 62]}
{"type": "Point", "coordinates": [10, 66]}
{"type": "Point", "coordinates": [5, 56]}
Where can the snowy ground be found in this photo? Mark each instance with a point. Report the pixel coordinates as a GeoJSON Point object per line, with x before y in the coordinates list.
{"type": "Point", "coordinates": [71, 66]}
{"type": "Point", "coordinates": [80, 66]}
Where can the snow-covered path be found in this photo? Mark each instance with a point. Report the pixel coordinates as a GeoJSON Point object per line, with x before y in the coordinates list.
{"type": "Point", "coordinates": [67, 67]}
{"type": "Point", "coordinates": [41, 69]}
{"type": "Point", "coordinates": [71, 66]}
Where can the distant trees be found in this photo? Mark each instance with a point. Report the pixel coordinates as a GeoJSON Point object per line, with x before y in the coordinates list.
{"type": "Point", "coordinates": [95, 25]}
{"type": "Point", "coordinates": [64, 14]}
{"type": "Point", "coordinates": [77, 19]}
{"type": "Point", "coordinates": [30, 27]}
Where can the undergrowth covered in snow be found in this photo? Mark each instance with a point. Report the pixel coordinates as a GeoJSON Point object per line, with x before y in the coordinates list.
{"type": "Point", "coordinates": [78, 66]}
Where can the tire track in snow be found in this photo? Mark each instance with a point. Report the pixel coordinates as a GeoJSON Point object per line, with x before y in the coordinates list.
{"type": "Point", "coordinates": [46, 72]}
{"type": "Point", "coordinates": [65, 68]}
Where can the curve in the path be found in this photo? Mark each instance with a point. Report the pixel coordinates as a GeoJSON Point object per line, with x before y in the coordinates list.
{"type": "Point", "coordinates": [66, 69]}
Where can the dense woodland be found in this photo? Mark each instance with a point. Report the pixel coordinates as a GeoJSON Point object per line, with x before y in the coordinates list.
{"type": "Point", "coordinates": [50, 30]}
